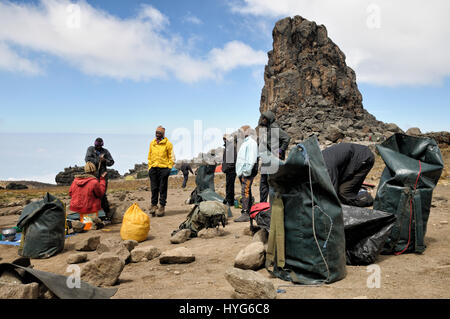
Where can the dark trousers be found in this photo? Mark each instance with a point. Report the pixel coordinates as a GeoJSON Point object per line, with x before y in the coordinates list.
{"type": "Point", "coordinates": [263, 188]}
{"type": "Point", "coordinates": [348, 190]}
{"type": "Point", "coordinates": [230, 178]}
{"type": "Point", "coordinates": [159, 180]}
{"type": "Point", "coordinates": [186, 177]}
{"type": "Point", "coordinates": [105, 203]}
{"type": "Point", "coordinates": [246, 192]}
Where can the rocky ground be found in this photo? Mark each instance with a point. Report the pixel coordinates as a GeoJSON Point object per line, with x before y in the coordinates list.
{"type": "Point", "coordinates": [406, 276]}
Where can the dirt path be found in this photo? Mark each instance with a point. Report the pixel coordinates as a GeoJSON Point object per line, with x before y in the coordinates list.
{"type": "Point", "coordinates": [406, 276]}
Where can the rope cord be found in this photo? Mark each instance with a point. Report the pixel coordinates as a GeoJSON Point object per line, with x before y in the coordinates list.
{"type": "Point", "coordinates": [410, 212]}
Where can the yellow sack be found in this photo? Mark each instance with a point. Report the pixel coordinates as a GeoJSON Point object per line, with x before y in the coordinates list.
{"type": "Point", "coordinates": [135, 224]}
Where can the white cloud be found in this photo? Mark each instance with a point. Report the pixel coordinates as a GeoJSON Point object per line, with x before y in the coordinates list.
{"type": "Point", "coordinates": [192, 19]}
{"type": "Point", "coordinates": [401, 42]}
{"type": "Point", "coordinates": [100, 44]}
{"type": "Point", "coordinates": [11, 61]}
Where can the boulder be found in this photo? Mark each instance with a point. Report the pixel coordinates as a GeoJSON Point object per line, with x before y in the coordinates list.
{"type": "Point", "coordinates": [179, 255]}
{"type": "Point", "coordinates": [251, 257]}
{"type": "Point", "coordinates": [103, 271]}
{"type": "Point", "coordinates": [249, 284]}
{"type": "Point", "coordinates": [77, 258]}
{"type": "Point", "coordinates": [181, 236]}
{"type": "Point", "coordinates": [88, 244]}
{"type": "Point", "coordinates": [211, 232]}
{"type": "Point", "coordinates": [19, 291]}
{"type": "Point", "coordinates": [144, 253]}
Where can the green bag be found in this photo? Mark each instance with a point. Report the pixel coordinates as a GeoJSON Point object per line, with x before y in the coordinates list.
{"type": "Point", "coordinates": [43, 228]}
{"type": "Point", "coordinates": [306, 239]}
{"type": "Point", "coordinates": [206, 214]}
{"type": "Point", "coordinates": [413, 168]}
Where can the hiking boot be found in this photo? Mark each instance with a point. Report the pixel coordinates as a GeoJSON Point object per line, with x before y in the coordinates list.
{"type": "Point", "coordinates": [153, 210]}
{"type": "Point", "coordinates": [245, 217]}
{"type": "Point", "coordinates": [160, 212]}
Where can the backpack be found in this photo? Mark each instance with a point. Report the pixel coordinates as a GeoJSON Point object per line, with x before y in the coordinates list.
{"type": "Point", "coordinates": [260, 213]}
{"type": "Point", "coordinates": [206, 214]}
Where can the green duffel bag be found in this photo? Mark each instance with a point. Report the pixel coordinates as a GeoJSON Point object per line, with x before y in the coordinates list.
{"type": "Point", "coordinates": [43, 228]}
{"type": "Point", "coordinates": [206, 214]}
{"type": "Point", "coordinates": [306, 239]}
{"type": "Point", "coordinates": [413, 168]}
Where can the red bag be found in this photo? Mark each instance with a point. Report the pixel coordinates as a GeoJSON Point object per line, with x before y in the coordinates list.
{"type": "Point", "coordinates": [257, 208]}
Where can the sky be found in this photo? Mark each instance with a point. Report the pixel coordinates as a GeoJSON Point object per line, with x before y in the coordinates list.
{"type": "Point", "coordinates": [71, 71]}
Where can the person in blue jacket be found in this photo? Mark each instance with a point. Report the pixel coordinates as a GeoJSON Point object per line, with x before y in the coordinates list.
{"type": "Point", "coordinates": [247, 169]}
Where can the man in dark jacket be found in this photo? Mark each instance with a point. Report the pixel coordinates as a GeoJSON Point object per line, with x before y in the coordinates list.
{"type": "Point", "coordinates": [185, 169]}
{"type": "Point", "coordinates": [102, 159]}
{"type": "Point", "coordinates": [348, 165]}
{"type": "Point", "coordinates": [270, 130]}
{"type": "Point", "coordinates": [229, 167]}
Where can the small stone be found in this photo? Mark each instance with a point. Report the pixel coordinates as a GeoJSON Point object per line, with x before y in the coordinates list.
{"type": "Point", "coordinates": [89, 244]}
{"type": "Point", "coordinates": [251, 257]}
{"type": "Point", "coordinates": [443, 222]}
{"type": "Point", "coordinates": [10, 277]}
{"type": "Point", "coordinates": [146, 252]}
{"type": "Point", "coordinates": [115, 246]}
{"type": "Point", "coordinates": [77, 258]}
{"type": "Point", "coordinates": [181, 236]}
{"type": "Point", "coordinates": [77, 226]}
{"type": "Point", "coordinates": [179, 255]}
{"type": "Point", "coordinates": [249, 284]}
{"type": "Point", "coordinates": [211, 233]}
{"type": "Point", "coordinates": [176, 272]}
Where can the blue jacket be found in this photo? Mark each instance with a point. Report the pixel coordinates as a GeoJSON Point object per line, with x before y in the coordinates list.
{"type": "Point", "coordinates": [246, 157]}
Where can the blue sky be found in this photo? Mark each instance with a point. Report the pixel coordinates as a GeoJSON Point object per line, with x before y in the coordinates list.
{"type": "Point", "coordinates": [71, 71]}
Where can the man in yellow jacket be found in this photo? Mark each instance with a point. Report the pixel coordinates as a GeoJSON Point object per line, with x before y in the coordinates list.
{"type": "Point", "coordinates": [160, 162]}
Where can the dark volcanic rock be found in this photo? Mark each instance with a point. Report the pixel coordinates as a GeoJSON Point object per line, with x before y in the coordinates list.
{"type": "Point", "coordinates": [68, 175]}
{"type": "Point", "coordinates": [13, 186]}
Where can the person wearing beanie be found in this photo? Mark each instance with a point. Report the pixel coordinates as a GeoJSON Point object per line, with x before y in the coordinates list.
{"type": "Point", "coordinates": [229, 166]}
{"type": "Point", "coordinates": [102, 159]}
{"type": "Point", "coordinates": [86, 191]}
{"type": "Point", "coordinates": [246, 169]}
{"type": "Point", "coordinates": [268, 132]}
{"type": "Point", "coordinates": [160, 161]}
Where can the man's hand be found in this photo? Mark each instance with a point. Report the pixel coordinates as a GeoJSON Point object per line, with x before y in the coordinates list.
{"type": "Point", "coordinates": [104, 174]}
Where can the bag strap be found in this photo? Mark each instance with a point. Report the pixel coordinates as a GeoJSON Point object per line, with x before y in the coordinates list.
{"type": "Point", "coordinates": [276, 244]}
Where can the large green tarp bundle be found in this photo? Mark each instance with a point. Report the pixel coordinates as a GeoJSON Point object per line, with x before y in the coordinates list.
{"type": "Point", "coordinates": [306, 239]}
{"type": "Point", "coordinates": [413, 168]}
{"type": "Point", "coordinates": [43, 227]}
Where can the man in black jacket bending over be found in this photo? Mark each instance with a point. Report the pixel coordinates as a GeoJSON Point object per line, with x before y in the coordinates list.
{"type": "Point", "coordinates": [101, 158]}
{"type": "Point", "coordinates": [348, 165]}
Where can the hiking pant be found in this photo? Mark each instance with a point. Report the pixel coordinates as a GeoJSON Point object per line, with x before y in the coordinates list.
{"type": "Point", "coordinates": [263, 188]}
{"type": "Point", "coordinates": [186, 177]}
{"type": "Point", "coordinates": [105, 203]}
{"type": "Point", "coordinates": [159, 180]}
{"type": "Point", "coordinates": [348, 190]}
{"type": "Point", "coordinates": [230, 178]}
{"type": "Point", "coordinates": [246, 192]}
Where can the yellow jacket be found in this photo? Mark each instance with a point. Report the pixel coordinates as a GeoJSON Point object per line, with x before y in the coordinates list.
{"type": "Point", "coordinates": [161, 154]}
